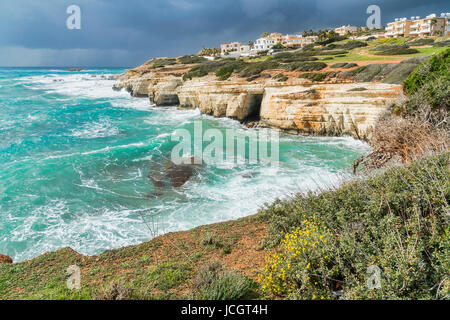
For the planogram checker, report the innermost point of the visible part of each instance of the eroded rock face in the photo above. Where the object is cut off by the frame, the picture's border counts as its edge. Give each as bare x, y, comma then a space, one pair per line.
235, 99
339, 107
328, 109
5, 259
136, 86
163, 92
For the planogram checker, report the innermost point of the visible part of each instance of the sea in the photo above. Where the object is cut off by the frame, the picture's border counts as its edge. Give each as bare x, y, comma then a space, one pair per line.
77, 160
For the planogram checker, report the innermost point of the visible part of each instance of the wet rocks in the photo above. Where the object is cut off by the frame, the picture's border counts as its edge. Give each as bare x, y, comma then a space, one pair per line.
175, 175
5, 259
75, 69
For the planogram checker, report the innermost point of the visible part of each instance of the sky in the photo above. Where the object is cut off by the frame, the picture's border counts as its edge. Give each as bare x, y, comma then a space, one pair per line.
126, 33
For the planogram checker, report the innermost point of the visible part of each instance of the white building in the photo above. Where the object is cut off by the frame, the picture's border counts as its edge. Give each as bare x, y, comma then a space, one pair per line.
342, 31
431, 25
263, 44
298, 40
230, 47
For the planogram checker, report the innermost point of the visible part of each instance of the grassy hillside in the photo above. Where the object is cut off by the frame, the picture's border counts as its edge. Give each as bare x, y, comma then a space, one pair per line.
209, 262
396, 223
318, 246
372, 54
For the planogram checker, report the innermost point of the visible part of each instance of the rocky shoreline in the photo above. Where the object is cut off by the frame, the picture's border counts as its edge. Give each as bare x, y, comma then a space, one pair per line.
333, 107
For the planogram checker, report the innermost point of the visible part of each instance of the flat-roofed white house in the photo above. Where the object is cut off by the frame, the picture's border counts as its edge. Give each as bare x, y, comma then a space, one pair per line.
235, 49
431, 25
401, 27
263, 44
298, 40
230, 47
342, 31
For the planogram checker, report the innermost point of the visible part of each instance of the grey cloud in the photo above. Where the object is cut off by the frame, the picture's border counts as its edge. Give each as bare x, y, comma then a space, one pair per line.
140, 29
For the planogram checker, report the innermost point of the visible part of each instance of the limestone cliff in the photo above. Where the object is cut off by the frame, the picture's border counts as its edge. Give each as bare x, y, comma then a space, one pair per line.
332, 107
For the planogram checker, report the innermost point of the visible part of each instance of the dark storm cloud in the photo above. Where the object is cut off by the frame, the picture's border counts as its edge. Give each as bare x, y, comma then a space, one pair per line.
119, 32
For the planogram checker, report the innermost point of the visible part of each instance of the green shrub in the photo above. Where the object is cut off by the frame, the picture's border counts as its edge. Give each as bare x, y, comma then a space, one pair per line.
305, 66
168, 275
321, 52
158, 63
315, 77
338, 65
223, 68
191, 59
343, 65
437, 66
387, 73
287, 57
213, 283
396, 222
347, 45
209, 238
281, 77
226, 71
400, 73
445, 43
429, 86
331, 40
350, 65
365, 73
398, 50
278, 46
421, 42
389, 46
255, 68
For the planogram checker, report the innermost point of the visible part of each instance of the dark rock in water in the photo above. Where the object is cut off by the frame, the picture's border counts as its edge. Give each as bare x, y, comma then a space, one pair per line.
75, 69
174, 174
157, 181
248, 175
116, 87
179, 175
152, 195
5, 259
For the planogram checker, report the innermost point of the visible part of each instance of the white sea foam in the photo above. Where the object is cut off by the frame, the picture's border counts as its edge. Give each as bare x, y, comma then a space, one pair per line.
100, 129
103, 227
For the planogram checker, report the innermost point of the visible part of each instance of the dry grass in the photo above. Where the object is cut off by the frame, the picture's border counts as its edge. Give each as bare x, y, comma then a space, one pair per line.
400, 139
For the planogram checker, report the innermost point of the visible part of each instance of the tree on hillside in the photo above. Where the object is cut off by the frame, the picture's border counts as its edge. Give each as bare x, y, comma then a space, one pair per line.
265, 35
210, 52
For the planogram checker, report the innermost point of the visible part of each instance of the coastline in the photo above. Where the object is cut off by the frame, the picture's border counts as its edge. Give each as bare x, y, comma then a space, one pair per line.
173, 267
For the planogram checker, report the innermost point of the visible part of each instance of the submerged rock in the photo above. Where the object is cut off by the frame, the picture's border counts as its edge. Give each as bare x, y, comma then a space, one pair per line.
75, 69
174, 174
5, 259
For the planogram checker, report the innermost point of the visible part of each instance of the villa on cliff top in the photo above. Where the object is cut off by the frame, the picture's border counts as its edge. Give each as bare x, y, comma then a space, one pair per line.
431, 25
237, 49
342, 31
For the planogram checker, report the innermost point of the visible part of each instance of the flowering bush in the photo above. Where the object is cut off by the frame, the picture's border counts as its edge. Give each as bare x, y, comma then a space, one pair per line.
383, 237
296, 268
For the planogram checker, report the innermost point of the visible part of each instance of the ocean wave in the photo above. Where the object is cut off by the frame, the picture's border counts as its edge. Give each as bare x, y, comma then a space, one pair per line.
100, 129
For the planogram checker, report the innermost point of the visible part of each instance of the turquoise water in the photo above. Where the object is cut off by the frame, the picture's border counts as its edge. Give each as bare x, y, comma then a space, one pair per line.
75, 158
